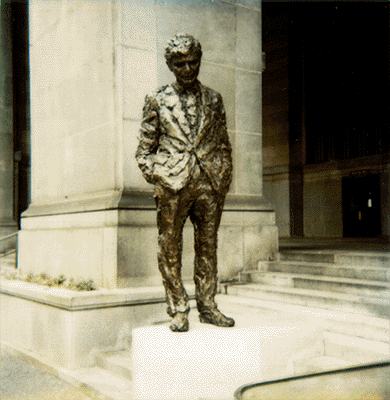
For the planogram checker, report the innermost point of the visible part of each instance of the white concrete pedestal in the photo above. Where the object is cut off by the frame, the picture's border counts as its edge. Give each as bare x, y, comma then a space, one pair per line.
210, 362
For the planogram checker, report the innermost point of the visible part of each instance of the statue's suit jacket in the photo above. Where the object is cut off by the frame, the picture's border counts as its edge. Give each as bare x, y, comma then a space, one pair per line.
168, 150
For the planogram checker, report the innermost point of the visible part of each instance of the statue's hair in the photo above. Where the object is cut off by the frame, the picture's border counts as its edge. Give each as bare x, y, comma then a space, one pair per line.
182, 44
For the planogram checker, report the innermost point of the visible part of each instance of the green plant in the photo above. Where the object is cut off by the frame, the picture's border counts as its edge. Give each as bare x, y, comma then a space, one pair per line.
60, 281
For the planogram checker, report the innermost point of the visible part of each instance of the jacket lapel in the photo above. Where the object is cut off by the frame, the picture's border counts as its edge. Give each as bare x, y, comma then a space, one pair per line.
175, 114
205, 116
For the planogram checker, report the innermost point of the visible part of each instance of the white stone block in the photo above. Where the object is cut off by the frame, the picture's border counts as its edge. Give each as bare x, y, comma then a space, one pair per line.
66, 328
209, 362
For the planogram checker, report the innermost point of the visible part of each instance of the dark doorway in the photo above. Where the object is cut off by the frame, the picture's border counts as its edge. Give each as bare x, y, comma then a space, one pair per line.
361, 206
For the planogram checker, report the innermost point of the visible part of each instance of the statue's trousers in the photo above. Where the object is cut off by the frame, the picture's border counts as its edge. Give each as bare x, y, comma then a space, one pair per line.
203, 205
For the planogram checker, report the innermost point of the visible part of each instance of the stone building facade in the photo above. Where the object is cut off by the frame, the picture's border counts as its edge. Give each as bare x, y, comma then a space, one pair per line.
86, 66
326, 121
90, 212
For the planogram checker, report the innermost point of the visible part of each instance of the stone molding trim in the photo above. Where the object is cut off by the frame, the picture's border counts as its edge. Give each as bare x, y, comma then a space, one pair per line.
108, 200
137, 200
81, 301
375, 163
276, 170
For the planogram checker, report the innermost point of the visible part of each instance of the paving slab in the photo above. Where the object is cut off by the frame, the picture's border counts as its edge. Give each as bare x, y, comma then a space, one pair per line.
19, 379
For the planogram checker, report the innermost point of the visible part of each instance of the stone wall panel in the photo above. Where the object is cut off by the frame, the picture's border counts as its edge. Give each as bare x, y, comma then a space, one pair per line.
249, 39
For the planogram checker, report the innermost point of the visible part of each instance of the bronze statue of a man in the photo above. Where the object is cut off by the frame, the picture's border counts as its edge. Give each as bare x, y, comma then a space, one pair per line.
184, 150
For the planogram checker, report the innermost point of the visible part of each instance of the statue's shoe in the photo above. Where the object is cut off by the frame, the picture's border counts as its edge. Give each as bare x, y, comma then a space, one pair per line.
179, 322
215, 317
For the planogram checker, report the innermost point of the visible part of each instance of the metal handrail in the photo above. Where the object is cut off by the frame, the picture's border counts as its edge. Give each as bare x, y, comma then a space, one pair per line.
9, 236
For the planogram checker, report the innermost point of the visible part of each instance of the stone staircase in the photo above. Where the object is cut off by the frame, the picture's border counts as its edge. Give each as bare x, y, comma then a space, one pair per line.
350, 289
340, 340
338, 280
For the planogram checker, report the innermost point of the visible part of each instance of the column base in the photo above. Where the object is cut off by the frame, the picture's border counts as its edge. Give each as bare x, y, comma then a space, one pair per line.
116, 246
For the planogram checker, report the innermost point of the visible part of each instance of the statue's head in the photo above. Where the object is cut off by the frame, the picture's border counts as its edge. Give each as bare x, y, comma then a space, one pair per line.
183, 55
182, 45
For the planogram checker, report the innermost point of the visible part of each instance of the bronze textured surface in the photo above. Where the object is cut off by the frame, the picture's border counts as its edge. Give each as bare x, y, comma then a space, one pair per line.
184, 150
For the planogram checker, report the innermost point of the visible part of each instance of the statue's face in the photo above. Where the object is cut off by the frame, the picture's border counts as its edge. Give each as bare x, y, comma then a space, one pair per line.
186, 68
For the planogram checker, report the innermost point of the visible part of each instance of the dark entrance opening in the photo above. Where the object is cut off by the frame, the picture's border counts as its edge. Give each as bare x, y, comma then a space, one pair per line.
361, 206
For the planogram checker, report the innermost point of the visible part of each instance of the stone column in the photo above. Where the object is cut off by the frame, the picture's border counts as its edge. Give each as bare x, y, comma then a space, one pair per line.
71, 224
92, 63
7, 223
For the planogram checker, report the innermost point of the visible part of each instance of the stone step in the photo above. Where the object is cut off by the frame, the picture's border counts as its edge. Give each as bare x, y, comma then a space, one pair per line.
365, 305
118, 362
370, 273
9, 255
355, 350
307, 256
8, 243
98, 383
368, 327
304, 281
320, 364
378, 259
376, 329
343, 257
8, 261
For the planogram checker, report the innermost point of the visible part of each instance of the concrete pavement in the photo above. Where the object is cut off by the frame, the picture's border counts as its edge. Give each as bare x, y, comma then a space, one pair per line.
20, 380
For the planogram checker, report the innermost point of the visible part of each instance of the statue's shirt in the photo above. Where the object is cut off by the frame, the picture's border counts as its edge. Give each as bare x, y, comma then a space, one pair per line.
190, 101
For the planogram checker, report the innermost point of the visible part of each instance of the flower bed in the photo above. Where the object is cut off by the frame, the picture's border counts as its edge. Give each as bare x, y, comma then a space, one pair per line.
60, 281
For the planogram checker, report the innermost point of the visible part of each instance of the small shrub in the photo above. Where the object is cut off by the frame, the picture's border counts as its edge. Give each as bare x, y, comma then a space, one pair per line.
60, 281
11, 276
85, 285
